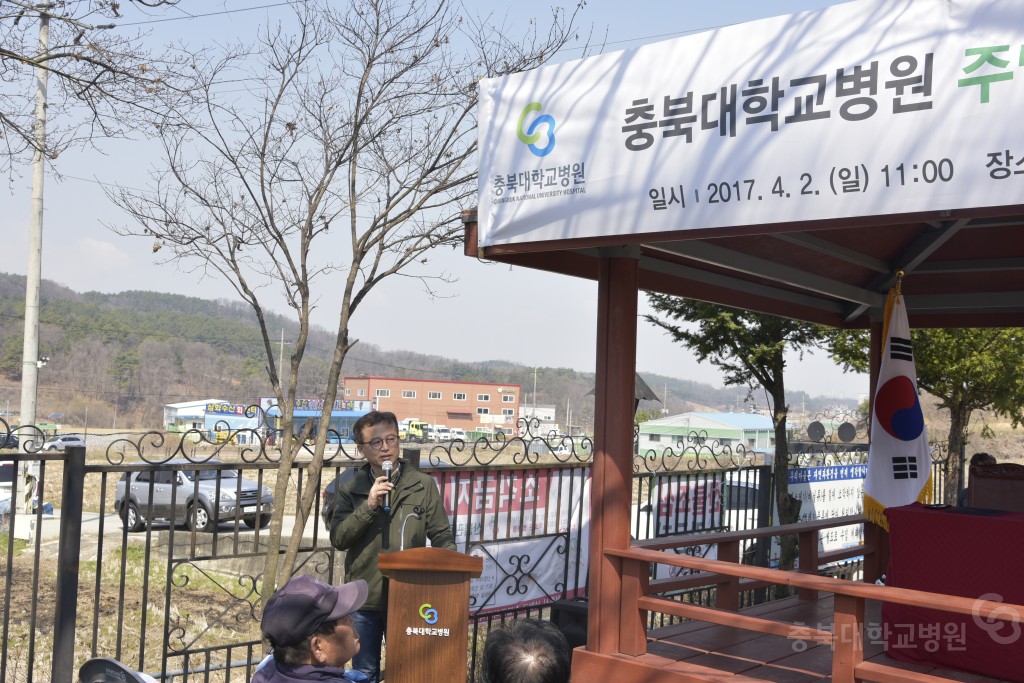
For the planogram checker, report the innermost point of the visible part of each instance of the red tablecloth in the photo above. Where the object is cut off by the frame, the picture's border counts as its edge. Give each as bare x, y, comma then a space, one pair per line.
950, 551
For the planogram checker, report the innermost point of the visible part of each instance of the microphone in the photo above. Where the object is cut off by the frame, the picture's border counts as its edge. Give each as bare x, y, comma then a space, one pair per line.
387, 473
415, 513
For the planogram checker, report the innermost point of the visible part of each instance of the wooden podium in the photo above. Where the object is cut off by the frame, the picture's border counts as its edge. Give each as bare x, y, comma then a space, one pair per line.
428, 614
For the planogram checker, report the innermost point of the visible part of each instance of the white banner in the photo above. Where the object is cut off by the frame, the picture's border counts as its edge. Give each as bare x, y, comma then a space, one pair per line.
828, 492
866, 108
493, 511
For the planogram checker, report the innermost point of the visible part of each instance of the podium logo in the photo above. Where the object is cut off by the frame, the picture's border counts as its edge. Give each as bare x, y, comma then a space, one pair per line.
428, 613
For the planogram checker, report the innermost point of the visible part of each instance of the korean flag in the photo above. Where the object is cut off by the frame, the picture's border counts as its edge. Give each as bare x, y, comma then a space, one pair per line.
899, 463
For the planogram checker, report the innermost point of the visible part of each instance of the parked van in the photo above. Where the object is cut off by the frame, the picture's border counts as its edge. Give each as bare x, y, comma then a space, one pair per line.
458, 433
442, 434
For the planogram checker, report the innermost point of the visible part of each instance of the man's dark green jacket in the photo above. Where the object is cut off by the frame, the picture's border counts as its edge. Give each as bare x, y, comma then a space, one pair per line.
363, 533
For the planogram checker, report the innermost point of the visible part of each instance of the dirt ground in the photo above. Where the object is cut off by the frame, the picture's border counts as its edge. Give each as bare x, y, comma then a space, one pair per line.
1004, 442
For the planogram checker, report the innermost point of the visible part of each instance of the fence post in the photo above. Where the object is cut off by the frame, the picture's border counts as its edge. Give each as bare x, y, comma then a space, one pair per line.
66, 614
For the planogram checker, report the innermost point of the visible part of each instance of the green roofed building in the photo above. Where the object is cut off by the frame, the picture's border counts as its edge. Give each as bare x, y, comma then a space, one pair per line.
752, 431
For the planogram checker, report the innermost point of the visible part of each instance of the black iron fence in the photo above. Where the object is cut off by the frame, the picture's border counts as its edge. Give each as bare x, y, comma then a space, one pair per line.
154, 553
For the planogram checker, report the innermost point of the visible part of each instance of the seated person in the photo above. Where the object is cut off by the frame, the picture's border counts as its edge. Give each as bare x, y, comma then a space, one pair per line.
976, 459
526, 651
310, 627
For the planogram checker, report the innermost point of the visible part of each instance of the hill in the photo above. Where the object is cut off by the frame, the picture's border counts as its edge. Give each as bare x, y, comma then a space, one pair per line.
117, 359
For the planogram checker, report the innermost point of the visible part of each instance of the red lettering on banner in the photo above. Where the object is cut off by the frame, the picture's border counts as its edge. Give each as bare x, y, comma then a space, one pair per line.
493, 492
688, 504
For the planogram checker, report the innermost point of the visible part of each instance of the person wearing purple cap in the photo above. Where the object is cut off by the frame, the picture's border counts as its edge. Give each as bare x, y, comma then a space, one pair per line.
310, 627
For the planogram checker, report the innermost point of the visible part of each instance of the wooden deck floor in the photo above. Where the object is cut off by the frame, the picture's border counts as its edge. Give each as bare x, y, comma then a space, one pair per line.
775, 658
700, 651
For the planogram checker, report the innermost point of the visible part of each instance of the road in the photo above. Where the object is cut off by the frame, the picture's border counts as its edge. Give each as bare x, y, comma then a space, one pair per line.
111, 523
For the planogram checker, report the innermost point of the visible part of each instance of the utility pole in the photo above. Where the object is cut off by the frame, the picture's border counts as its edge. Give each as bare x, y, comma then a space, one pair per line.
534, 392
25, 482
30, 350
281, 361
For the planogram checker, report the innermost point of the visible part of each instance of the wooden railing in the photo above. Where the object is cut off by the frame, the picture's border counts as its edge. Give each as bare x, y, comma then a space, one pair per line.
729, 542
730, 577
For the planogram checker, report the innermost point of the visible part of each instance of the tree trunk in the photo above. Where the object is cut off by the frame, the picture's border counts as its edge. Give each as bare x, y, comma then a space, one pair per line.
788, 506
959, 418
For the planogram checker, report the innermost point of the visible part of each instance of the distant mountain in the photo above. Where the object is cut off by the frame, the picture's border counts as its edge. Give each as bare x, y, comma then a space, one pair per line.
117, 359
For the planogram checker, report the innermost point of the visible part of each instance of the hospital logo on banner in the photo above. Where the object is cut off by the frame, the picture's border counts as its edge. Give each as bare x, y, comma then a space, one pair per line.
531, 136
541, 175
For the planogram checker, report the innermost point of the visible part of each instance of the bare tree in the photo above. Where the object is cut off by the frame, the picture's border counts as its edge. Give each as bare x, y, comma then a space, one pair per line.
97, 74
327, 157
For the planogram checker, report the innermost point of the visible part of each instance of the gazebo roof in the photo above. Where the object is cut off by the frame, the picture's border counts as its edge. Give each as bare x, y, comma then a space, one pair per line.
962, 269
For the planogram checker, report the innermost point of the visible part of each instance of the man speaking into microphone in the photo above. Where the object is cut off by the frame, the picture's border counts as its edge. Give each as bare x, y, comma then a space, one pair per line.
387, 506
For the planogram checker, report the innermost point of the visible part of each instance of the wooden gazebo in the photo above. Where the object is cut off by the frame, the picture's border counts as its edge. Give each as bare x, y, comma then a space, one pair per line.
946, 210
964, 269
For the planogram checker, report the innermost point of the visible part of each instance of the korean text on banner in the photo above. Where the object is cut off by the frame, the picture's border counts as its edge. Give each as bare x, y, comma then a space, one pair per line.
827, 114
899, 462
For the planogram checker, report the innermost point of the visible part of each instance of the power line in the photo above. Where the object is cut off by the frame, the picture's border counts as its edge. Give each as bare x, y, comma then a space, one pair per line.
624, 41
203, 16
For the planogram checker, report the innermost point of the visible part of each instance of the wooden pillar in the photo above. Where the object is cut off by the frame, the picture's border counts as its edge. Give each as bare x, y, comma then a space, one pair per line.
728, 592
808, 553
847, 638
611, 626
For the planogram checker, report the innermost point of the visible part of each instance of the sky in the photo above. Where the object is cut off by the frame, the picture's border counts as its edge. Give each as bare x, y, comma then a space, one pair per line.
492, 311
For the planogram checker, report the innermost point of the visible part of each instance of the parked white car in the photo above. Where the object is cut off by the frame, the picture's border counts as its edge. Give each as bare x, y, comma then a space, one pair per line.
59, 443
442, 434
563, 448
458, 433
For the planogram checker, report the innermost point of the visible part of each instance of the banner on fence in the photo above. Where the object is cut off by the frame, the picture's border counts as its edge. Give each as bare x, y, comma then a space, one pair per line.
685, 505
530, 527
688, 504
828, 492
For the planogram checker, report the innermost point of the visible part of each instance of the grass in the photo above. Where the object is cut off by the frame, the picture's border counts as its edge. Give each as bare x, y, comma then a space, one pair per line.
207, 608
5, 541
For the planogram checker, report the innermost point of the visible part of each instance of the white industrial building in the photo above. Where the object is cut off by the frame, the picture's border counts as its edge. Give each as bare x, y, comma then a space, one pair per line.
752, 431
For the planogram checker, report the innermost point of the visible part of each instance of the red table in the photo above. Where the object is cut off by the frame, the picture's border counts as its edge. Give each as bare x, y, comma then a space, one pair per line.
951, 551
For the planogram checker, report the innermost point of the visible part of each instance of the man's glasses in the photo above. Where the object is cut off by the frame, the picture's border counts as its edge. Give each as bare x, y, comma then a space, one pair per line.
378, 443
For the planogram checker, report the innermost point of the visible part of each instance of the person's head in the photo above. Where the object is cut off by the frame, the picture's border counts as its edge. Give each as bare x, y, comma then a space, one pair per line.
310, 622
377, 436
527, 651
982, 459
